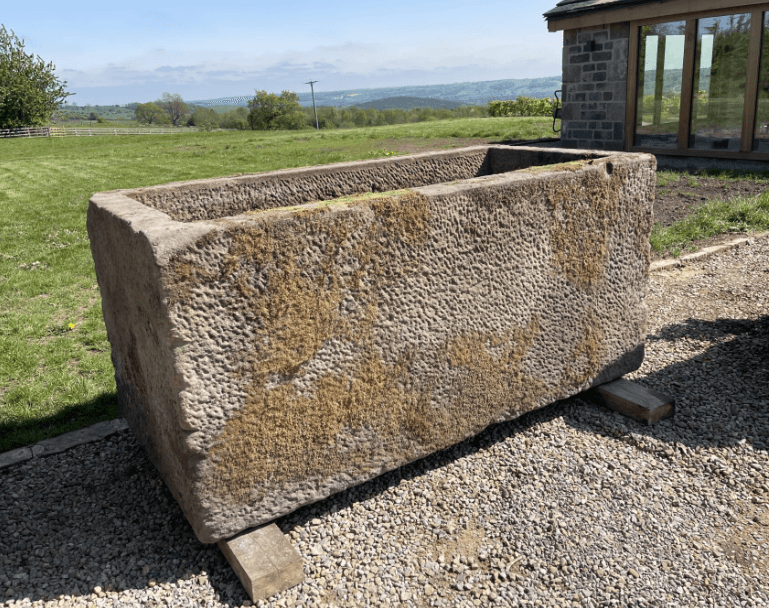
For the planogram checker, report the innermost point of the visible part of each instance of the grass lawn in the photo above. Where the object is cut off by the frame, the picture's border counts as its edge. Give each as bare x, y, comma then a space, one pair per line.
722, 213
743, 214
55, 369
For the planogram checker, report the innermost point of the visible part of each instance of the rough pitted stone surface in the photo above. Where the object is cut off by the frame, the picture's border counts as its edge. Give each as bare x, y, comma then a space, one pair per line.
269, 359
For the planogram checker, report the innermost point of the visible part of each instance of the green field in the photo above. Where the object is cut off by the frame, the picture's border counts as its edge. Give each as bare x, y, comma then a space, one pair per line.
55, 368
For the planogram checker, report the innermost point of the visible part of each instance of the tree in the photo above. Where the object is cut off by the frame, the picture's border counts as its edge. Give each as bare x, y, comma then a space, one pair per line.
149, 113
175, 107
203, 118
268, 111
235, 119
29, 90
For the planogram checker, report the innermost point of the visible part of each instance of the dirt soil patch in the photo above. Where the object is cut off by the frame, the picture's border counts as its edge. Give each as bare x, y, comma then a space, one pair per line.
680, 197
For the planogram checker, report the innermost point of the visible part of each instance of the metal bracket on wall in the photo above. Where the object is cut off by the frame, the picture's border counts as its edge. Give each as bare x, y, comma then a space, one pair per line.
557, 109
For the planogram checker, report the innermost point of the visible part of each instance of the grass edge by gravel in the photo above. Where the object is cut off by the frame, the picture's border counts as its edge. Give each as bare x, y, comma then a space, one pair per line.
742, 215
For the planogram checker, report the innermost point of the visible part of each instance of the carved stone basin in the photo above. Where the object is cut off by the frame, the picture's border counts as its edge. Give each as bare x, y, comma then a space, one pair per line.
282, 336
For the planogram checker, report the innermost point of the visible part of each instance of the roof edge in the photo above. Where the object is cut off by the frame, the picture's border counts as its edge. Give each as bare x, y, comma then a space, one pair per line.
575, 8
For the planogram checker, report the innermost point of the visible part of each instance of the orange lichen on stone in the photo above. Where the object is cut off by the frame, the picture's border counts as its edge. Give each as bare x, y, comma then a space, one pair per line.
495, 375
587, 354
281, 433
583, 212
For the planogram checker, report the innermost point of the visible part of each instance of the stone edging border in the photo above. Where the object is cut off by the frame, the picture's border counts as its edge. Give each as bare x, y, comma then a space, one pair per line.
102, 430
702, 254
54, 445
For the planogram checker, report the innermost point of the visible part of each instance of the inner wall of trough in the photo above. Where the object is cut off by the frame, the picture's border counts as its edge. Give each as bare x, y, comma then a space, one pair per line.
503, 160
219, 198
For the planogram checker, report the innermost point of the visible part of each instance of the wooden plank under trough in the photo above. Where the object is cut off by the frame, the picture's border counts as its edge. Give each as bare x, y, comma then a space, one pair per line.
264, 560
633, 400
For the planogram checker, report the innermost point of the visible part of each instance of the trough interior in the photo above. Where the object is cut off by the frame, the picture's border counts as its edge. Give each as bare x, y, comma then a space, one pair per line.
225, 197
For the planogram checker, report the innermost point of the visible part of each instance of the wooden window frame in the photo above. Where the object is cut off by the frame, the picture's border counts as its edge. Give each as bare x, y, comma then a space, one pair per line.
687, 82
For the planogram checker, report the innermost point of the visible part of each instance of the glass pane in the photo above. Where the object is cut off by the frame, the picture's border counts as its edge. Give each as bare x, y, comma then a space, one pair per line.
660, 66
761, 141
720, 75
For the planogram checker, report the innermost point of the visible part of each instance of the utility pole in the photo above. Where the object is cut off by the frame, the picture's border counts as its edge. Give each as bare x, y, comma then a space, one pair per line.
312, 88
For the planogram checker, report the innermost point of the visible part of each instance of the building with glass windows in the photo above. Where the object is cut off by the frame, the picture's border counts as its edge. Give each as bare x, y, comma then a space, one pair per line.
671, 77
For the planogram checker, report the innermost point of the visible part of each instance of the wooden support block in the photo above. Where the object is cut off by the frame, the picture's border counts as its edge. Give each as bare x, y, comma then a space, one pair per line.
264, 560
633, 400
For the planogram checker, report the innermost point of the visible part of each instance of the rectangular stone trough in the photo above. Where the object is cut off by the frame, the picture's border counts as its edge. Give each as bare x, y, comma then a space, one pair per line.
282, 336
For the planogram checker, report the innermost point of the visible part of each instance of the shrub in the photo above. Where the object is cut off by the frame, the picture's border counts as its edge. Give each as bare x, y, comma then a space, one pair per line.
523, 106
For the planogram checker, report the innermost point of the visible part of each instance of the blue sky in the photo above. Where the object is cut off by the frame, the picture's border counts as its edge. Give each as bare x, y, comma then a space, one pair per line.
118, 52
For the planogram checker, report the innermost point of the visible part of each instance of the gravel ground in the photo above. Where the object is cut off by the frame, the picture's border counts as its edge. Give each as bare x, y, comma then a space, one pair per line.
572, 505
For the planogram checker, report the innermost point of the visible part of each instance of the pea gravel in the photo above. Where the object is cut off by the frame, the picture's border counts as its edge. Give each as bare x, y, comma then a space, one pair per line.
572, 505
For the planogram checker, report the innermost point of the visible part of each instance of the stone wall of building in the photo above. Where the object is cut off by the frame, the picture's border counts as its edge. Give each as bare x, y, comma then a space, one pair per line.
595, 86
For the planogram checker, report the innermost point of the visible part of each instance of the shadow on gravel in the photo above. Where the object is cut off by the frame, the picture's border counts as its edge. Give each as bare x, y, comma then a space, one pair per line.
97, 515
722, 394
100, 514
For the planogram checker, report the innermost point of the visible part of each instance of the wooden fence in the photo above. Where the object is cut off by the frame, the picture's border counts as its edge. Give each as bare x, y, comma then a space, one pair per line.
90, 131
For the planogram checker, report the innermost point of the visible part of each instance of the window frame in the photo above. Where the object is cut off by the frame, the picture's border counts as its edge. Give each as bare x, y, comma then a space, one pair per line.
687, 82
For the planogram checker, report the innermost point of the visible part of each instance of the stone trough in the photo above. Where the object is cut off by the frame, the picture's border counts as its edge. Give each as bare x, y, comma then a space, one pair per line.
282, 336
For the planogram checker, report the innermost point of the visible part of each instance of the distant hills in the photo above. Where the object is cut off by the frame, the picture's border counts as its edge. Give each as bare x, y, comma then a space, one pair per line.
460, 94
671, 82
672, 79
407, 103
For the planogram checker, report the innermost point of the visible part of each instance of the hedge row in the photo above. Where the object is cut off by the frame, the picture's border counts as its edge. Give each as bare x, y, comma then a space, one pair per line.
522, 106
